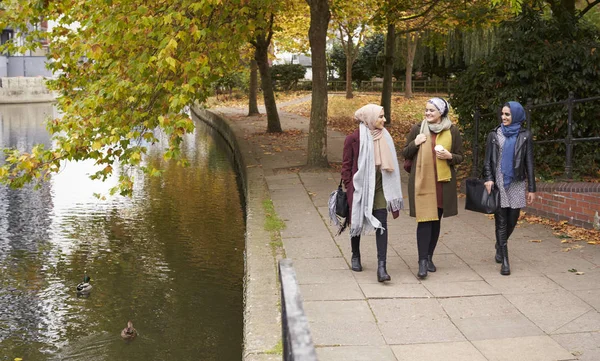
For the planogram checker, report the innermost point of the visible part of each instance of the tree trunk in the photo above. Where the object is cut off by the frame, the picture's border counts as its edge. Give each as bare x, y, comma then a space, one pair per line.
317, 34
349, 63
261, 55
252, 96
411, 47
388, 68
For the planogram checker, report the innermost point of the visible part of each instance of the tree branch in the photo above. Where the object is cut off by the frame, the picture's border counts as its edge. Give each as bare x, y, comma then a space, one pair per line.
587, 8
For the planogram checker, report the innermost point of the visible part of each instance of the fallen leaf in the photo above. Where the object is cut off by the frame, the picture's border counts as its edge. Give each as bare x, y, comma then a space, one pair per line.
572, 270
579, 273
535, 240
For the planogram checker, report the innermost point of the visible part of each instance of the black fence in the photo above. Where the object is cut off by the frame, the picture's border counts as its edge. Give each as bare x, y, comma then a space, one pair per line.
296, 338
568, 140
436, 86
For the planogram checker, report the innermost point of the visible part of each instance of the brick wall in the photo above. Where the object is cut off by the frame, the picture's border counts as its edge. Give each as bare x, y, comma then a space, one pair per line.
576, 202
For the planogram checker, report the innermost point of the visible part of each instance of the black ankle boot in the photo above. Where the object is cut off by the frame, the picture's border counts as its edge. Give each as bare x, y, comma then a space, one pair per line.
356, 266
430, 265
505, 267
382, 274
423, 263
498, 254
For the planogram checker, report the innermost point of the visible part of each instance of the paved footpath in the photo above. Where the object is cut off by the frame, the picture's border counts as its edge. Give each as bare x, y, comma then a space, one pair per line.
465, 311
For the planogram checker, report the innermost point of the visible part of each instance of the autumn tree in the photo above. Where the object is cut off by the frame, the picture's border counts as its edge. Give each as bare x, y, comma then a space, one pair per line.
317, 35
351, 21
253, 89
125, 72
264, 14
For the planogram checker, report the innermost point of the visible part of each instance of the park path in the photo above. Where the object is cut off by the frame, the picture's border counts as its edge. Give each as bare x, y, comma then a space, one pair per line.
466, 311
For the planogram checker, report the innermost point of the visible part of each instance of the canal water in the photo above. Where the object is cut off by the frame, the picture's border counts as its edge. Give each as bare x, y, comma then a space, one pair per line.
170, 259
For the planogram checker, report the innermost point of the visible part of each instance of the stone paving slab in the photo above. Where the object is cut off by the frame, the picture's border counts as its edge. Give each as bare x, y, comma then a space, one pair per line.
588, 322
355, 353
523, 285
336, 291
460, 289
590, 280
443, 351
532, 348
551, 310
298, 248
406, 321
584, 345
343, 323
591, 297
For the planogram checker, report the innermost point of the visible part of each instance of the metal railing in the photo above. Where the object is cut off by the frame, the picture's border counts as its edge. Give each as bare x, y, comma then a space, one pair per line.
296, 338
418, 86
569, 140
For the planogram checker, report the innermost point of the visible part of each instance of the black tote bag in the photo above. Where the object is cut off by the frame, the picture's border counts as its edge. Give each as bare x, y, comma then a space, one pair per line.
478, 199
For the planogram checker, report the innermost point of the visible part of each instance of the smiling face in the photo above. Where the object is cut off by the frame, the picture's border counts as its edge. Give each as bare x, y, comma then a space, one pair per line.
380, 120
432, 114
506, 116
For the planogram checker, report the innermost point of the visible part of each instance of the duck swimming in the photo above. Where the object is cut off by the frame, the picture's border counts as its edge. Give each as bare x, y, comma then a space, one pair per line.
129, 332
84, 287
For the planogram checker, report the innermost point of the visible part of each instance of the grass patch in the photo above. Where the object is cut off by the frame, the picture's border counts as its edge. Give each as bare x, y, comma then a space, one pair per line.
276, 350
239, 99
272, 221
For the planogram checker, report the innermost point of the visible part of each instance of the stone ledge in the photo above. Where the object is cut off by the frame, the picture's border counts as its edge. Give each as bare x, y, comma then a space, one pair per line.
575, 187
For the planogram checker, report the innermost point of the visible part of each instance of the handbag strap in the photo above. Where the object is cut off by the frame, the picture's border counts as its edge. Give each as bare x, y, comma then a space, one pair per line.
340, 185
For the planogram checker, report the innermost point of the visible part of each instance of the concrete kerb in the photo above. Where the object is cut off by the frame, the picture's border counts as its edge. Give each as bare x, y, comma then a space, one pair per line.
262, 317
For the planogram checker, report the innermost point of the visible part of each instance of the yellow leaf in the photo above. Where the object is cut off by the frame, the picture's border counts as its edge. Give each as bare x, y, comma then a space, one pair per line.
535, 240
96, 145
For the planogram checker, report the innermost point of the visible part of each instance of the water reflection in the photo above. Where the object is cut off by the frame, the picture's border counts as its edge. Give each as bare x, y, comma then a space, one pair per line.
170, 258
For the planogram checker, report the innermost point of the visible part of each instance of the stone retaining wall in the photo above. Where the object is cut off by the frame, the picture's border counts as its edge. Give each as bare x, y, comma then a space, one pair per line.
15, 90
576, 202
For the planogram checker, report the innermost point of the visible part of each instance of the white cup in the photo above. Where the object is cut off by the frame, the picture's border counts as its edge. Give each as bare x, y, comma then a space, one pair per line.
438, 148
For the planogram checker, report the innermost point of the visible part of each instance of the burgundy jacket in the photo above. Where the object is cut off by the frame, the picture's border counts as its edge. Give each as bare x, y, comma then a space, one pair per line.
350, 166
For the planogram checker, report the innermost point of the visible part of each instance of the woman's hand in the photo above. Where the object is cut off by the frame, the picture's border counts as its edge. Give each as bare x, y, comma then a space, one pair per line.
488, 185
443, 154
530, 198
420, 139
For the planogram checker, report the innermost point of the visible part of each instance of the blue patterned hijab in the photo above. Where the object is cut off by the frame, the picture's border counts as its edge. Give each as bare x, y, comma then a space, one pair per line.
510, 133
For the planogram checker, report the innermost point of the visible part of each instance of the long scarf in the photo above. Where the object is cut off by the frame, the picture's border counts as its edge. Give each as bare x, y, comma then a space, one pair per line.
510, 133
363, 220
425, 190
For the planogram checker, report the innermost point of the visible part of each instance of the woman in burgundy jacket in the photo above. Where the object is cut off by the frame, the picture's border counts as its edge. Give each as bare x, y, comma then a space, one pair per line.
371, 175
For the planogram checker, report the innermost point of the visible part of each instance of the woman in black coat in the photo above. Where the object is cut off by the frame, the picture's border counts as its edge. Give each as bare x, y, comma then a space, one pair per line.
509, 165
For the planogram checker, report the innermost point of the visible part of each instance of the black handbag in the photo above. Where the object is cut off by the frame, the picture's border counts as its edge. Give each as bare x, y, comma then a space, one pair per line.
478, 198
339, 208
341, 202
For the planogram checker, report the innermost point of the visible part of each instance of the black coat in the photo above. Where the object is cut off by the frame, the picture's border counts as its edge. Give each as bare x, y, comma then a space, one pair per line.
522, 161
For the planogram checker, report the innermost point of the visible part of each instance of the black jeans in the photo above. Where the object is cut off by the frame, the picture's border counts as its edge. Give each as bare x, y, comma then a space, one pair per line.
427, 236
381, 237
506, 220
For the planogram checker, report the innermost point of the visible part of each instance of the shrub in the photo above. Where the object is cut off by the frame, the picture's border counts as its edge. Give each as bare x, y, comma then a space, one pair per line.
287, 75
540, 60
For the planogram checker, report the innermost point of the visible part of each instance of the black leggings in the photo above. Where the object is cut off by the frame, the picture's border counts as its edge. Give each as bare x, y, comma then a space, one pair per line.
427, 236
506, 221
381, 237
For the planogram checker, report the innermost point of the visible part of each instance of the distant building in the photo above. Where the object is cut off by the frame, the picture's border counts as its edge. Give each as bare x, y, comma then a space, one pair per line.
30, 64
289, 58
